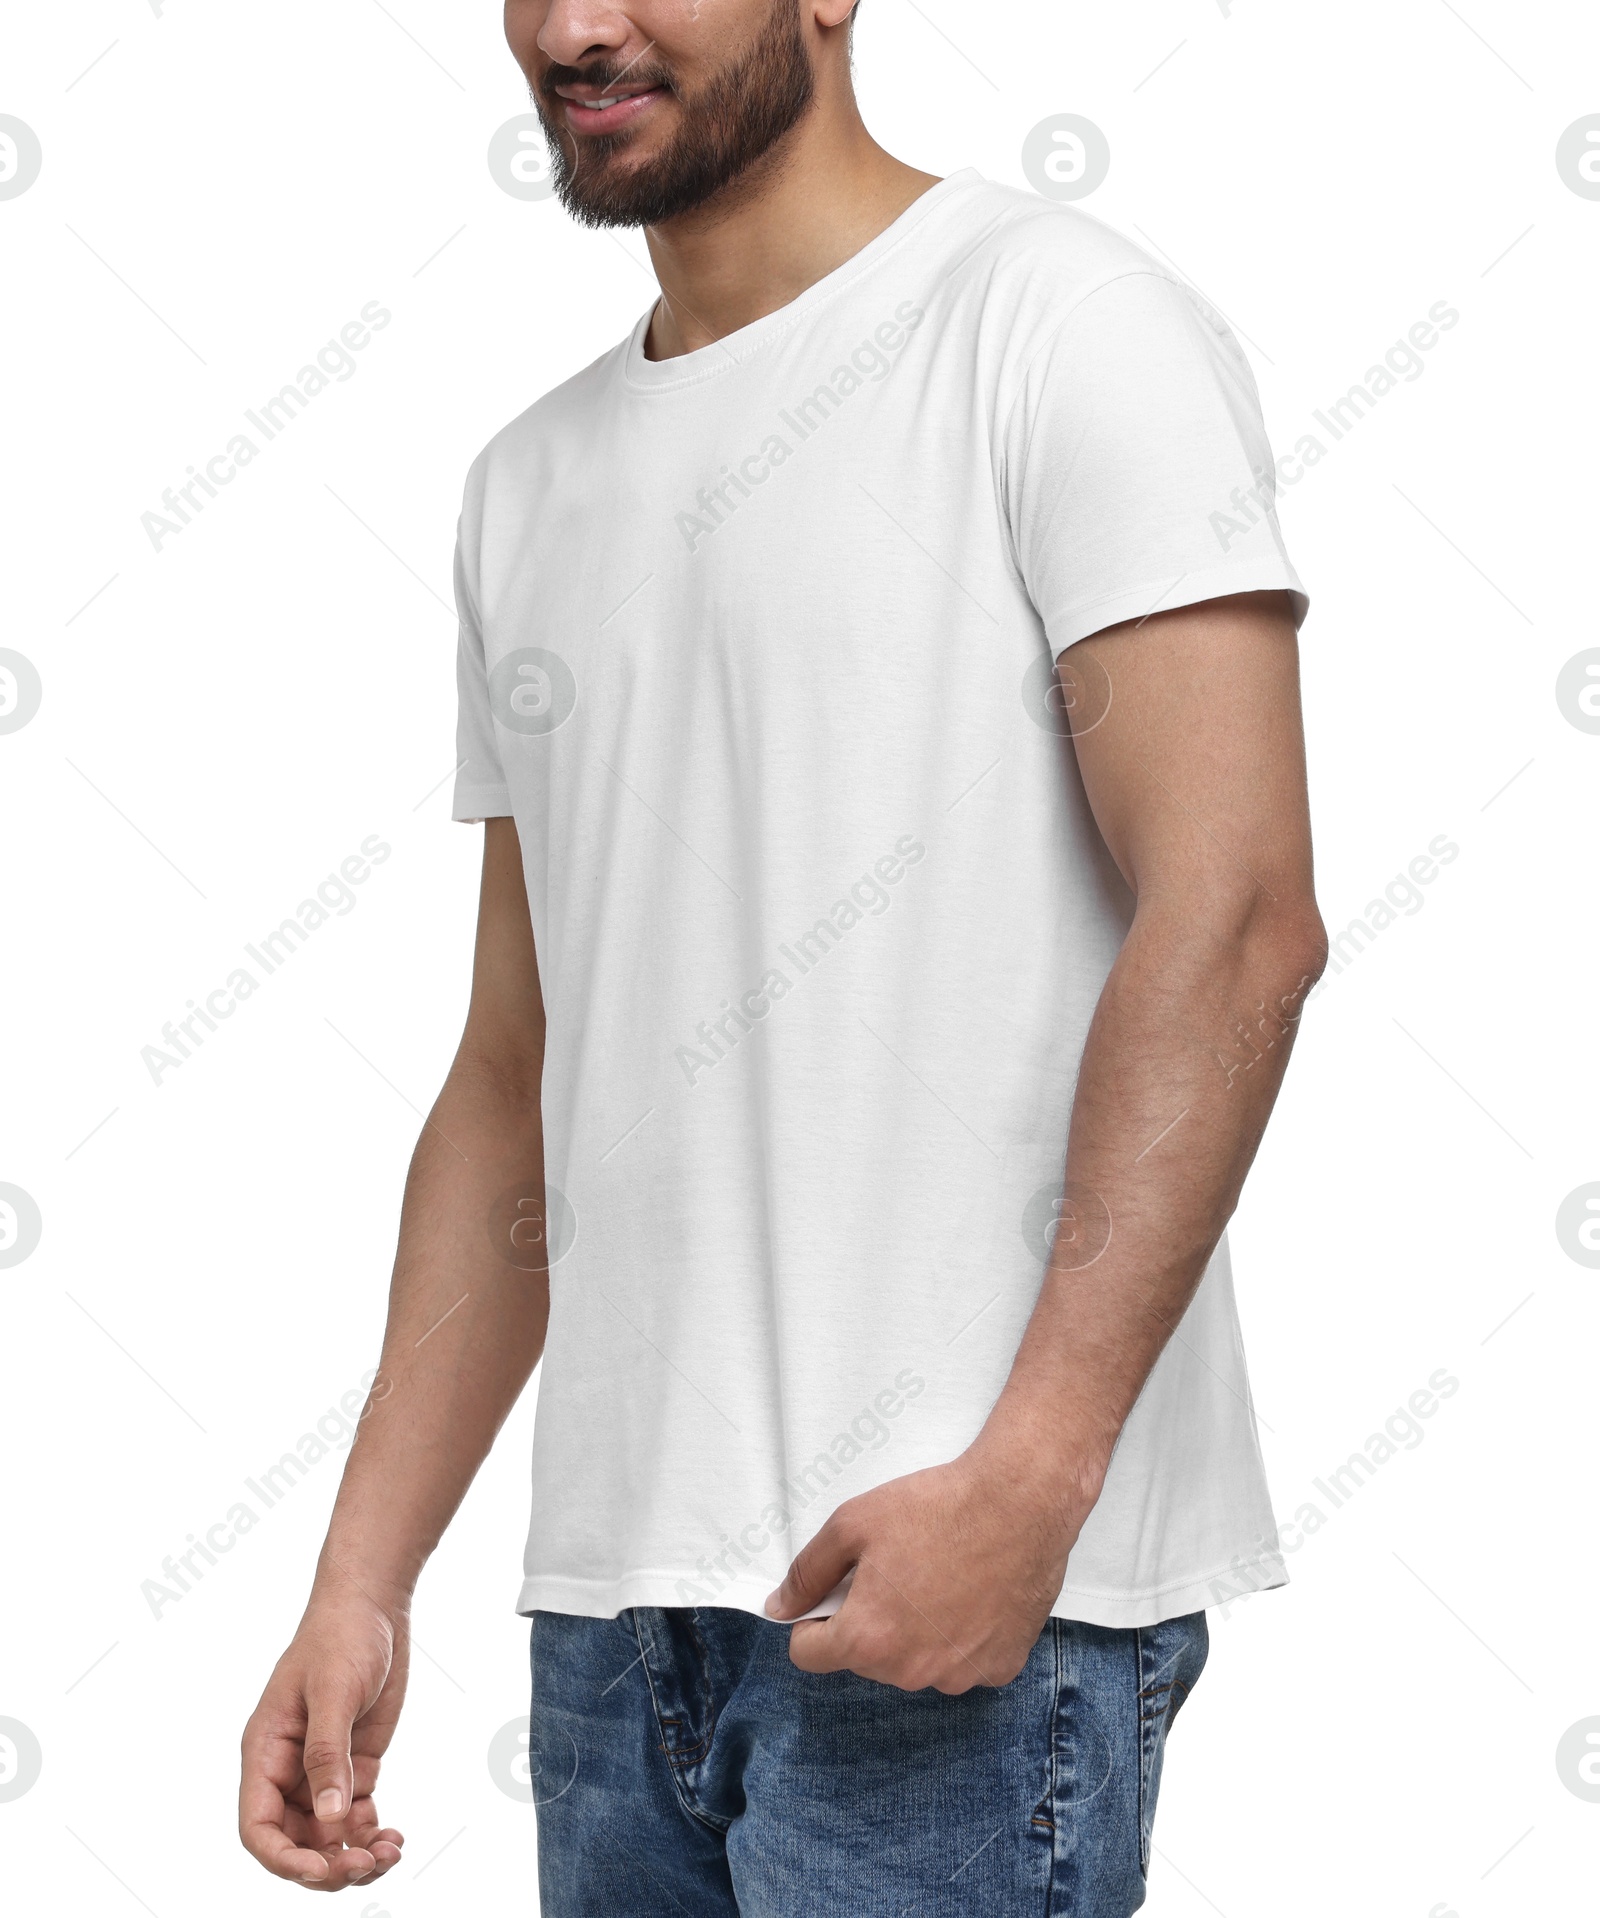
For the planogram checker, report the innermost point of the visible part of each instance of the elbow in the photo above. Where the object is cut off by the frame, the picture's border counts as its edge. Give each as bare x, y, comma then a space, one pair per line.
1285, 948
1293, 942
1275, 941
1274, 965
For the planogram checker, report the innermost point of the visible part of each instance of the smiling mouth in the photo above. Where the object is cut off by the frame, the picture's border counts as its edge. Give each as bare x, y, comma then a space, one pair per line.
591, 111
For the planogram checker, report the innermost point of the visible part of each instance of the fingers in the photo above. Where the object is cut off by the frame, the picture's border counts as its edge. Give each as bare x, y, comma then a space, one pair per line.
286, 1775
857, 1638
292, 1845
279, 1835
365, 1766
381, 1843
303, 1866
269, 1761
817, 1568
881, 1634
885, 1646
332, 1706
869, 1635
823, 1644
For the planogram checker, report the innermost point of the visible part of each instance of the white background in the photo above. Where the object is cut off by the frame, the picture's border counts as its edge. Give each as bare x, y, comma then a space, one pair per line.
225, 720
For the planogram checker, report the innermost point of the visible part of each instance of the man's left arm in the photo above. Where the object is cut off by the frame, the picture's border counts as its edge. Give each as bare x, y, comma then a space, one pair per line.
1188, 736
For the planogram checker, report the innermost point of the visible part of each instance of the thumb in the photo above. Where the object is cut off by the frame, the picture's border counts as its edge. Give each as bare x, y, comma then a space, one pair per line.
817, 1569
332, 1705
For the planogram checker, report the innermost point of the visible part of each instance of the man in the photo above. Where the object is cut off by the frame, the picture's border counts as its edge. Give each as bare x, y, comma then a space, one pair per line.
896, 913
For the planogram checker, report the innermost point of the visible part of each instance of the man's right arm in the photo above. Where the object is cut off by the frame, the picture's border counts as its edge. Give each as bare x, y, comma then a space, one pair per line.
465, 1330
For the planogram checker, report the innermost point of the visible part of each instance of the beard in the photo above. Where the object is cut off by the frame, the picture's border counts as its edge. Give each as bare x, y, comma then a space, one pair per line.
735, 121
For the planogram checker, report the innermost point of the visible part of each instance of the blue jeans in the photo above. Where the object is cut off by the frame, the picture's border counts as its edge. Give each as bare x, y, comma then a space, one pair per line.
682, 1765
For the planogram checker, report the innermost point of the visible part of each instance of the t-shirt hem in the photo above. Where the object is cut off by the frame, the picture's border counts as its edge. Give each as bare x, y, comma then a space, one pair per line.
605, 1598
1118, 1610
1245, 576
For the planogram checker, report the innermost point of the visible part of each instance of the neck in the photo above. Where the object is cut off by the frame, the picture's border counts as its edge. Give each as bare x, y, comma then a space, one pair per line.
816, 199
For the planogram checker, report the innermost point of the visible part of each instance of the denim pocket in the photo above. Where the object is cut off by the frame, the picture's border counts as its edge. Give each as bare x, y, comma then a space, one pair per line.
1172, 1656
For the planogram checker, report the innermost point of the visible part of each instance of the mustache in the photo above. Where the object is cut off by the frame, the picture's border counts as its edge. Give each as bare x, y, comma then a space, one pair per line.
606, 73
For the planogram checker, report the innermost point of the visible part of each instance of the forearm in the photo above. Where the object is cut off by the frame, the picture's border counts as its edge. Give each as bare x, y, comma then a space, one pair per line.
465, 1330
1180, 1071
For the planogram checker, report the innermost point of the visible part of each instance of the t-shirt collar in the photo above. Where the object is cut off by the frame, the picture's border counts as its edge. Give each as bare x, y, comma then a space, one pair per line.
706, 362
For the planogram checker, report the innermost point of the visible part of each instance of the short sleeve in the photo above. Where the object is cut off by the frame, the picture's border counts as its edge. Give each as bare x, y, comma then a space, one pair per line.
1137, 473
480, 789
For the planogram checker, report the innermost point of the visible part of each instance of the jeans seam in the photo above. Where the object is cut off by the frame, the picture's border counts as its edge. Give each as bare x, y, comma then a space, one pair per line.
1058, 1650
1154, 1726
719, 1828
1147, 1737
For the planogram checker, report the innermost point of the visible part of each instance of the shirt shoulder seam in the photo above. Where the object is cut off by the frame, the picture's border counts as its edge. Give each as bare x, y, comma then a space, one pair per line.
1111, 279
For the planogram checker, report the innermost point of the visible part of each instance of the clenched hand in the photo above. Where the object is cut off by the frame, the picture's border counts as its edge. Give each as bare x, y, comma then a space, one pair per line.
956, 1569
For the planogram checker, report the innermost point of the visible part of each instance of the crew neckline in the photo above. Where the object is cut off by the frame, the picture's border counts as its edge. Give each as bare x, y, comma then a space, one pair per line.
733, 349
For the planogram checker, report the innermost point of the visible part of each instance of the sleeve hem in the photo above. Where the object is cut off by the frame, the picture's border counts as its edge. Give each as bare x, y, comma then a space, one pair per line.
1073, 623
473, 804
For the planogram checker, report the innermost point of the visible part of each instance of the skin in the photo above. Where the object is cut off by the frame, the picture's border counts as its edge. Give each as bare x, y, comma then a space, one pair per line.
1187, 733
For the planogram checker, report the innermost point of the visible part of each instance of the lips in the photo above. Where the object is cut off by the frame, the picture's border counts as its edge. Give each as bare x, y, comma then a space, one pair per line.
591, 110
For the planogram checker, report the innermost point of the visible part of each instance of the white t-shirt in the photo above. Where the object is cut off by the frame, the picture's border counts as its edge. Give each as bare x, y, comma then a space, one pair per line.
755, 648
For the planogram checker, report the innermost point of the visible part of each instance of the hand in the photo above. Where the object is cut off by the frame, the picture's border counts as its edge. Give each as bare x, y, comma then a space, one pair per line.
956, 1569
312, 1746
